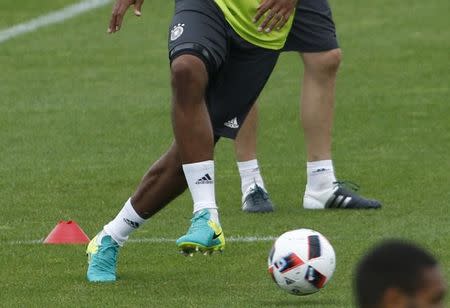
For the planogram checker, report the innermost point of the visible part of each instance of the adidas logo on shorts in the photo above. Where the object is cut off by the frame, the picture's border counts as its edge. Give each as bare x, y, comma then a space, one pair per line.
233, 123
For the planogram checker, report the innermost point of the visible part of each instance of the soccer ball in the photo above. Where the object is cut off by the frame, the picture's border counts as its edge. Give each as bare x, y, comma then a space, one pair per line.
302, 261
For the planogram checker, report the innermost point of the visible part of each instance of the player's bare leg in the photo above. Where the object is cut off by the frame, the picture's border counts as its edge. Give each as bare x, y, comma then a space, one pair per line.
181, 166
246, 140
317, 102
162, 183
195, 141
190, 119
254, 195
317, 111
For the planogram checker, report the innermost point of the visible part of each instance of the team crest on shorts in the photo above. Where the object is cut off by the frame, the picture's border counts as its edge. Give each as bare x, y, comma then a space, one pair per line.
176, 31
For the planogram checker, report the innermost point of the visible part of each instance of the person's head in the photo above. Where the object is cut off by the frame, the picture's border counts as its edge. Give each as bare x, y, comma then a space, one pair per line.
399, 274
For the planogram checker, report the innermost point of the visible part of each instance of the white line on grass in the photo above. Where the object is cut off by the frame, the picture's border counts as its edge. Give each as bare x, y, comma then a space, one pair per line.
236, 239
51, 18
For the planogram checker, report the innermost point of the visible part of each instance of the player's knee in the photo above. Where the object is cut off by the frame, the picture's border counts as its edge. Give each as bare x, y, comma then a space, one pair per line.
187, 70
331, 60
324, 63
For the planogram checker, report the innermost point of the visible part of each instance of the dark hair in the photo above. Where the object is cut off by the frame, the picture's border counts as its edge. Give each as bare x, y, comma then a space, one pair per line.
392, 263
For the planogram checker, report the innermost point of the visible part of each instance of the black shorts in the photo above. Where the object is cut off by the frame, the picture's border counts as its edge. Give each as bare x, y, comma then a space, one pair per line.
237, 69
313, 29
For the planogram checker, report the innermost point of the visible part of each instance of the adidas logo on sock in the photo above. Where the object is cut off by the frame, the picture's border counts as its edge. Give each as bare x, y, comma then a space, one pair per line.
206, 179
320, 170
233, 123
131, 223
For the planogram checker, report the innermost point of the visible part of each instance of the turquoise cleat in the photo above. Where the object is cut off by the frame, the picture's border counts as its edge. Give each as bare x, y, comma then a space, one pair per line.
102, 259
204, 235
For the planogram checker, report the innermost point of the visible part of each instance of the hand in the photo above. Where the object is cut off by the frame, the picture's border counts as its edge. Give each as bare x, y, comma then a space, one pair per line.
119, 11
279, 12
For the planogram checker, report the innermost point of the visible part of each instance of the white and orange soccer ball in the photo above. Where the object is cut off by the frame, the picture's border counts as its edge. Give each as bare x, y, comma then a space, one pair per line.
302, 261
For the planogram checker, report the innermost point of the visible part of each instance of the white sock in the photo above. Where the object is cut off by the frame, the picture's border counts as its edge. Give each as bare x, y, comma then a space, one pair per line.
200, 180
250, 174
125, 222
320, 175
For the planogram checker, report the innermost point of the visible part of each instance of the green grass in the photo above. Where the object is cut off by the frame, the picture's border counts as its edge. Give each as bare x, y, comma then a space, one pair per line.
83, 114
12, 12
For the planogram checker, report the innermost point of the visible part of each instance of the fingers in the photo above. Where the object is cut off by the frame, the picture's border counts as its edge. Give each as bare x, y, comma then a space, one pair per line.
270, 15
119, 20
277, 14
276, 19
112, 21
115, 23
283, 21
262, 9
116, 17
138, 7
119, 11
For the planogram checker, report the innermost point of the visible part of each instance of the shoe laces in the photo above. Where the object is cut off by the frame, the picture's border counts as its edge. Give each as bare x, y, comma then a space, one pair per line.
109, 253
256, 193
111, 245
347, 184
194, 225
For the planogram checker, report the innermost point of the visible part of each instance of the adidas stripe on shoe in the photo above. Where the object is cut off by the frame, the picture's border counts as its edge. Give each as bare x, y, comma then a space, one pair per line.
341, 196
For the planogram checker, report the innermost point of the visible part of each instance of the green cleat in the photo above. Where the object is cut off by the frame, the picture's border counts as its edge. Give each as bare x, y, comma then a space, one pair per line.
203, 236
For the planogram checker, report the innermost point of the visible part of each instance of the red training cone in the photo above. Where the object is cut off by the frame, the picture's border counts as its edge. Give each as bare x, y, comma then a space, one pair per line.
67, 232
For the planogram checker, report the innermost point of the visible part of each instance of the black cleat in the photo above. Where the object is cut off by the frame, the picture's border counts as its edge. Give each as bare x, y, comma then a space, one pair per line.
342, 196
257, 200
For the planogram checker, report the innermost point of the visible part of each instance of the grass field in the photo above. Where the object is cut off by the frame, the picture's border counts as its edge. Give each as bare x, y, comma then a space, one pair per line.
83, 114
